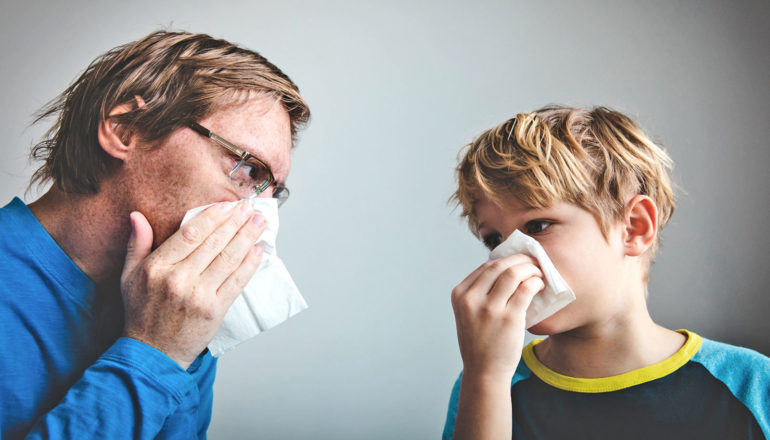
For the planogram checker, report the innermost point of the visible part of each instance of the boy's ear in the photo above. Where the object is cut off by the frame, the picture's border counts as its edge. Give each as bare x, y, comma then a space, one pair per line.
113, 136
640, 225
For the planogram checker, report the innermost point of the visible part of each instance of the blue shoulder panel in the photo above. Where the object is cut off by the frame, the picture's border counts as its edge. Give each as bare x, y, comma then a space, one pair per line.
451, 415
745, 372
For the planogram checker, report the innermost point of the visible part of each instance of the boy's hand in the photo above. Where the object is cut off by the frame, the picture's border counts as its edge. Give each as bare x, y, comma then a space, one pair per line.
490, 306
176, 297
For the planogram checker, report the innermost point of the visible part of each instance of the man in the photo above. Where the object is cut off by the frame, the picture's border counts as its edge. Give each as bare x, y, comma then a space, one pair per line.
106, 304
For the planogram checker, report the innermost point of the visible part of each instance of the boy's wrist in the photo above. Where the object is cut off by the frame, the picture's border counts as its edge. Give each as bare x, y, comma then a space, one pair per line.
486, 378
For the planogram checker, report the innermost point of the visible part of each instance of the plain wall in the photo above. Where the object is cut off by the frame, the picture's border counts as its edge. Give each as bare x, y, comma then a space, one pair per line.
396, 88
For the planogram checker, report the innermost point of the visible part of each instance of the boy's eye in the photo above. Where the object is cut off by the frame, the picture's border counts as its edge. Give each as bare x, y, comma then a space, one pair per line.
536, 226
491, 241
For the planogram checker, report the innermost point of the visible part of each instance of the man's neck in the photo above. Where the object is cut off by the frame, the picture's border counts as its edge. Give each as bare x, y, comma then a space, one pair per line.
91, 229
611, 347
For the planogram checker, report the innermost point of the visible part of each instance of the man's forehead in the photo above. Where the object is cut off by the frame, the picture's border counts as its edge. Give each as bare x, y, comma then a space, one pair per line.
259, 125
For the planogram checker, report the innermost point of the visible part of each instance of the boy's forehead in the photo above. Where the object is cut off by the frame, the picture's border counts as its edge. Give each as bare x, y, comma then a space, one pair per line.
510, 204
488, 211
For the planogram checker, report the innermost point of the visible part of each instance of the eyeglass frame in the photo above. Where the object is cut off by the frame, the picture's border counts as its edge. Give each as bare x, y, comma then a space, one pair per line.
244, 156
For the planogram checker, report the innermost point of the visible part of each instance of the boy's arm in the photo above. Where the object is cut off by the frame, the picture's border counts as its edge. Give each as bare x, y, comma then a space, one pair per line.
490, 307
484, 409
128, 392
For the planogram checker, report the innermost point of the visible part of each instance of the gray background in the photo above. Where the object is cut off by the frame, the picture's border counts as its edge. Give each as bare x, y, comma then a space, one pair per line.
396, 89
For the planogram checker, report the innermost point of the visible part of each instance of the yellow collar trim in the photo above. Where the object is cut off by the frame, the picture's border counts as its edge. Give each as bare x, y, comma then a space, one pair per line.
613, 383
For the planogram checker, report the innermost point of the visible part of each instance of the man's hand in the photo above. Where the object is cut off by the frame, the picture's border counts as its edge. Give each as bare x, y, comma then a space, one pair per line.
490, 308
176, 297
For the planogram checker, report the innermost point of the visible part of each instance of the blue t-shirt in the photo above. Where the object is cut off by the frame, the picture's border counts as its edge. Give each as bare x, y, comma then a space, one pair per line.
64, 373
707, 390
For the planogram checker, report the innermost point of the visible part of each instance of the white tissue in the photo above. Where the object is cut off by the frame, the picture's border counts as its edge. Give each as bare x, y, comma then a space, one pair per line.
556, 294
269, 298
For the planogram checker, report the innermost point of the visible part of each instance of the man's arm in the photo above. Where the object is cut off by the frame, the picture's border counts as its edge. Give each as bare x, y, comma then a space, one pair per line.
129, 392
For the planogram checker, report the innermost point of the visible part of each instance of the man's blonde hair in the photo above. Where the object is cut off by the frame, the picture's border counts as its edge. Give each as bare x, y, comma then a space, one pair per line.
181, 77
593, 158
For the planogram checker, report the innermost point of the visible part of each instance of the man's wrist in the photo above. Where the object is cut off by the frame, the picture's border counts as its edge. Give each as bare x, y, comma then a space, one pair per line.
137, 356
183, 361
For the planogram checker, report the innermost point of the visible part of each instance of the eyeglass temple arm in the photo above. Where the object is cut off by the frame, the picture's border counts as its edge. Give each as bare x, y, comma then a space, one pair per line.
210, 134
200, 129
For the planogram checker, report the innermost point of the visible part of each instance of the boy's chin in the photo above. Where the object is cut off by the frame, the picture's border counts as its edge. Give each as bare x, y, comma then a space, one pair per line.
562, 321
549, 326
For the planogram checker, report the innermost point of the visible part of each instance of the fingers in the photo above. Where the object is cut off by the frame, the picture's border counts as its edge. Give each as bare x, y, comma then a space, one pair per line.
496, 267
218, 239
521, 299
236, 282
139, 243
486, 279
234, 253
193, 233
466, 283
510, 281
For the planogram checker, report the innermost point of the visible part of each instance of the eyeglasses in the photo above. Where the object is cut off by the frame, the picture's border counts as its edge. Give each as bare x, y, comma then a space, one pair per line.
250, 176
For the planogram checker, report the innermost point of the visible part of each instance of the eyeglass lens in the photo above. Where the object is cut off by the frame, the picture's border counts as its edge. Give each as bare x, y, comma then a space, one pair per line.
250, 175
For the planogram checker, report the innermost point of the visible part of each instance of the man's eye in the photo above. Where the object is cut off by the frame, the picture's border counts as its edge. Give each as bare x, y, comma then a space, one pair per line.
491, 241
257, 172
536, 226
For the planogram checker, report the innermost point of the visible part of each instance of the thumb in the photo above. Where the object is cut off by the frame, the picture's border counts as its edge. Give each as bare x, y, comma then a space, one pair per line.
139, 243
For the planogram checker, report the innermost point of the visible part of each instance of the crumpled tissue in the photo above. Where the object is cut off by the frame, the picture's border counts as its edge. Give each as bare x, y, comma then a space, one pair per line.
269, 298
556, 294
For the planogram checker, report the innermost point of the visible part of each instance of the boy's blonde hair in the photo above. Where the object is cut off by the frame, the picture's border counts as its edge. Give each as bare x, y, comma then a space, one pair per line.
593, 158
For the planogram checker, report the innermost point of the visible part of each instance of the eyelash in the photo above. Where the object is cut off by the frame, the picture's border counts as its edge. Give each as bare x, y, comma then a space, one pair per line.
493, 240
534, 222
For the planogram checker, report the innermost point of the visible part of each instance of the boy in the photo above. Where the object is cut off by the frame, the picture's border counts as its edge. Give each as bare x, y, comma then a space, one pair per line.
595, 192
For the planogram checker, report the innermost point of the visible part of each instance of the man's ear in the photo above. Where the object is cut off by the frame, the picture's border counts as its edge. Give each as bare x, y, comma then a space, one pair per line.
113, 136
640, 225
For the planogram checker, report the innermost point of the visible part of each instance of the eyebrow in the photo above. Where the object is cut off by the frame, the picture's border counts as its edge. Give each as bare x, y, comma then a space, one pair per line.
249, 148
522, 211
526, 209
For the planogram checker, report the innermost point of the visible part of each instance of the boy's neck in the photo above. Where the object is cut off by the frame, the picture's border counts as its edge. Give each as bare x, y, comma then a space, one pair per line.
609, 348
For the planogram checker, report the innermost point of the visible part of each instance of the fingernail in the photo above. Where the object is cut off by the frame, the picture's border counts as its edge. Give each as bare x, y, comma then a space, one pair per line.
258, 220
245, 208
